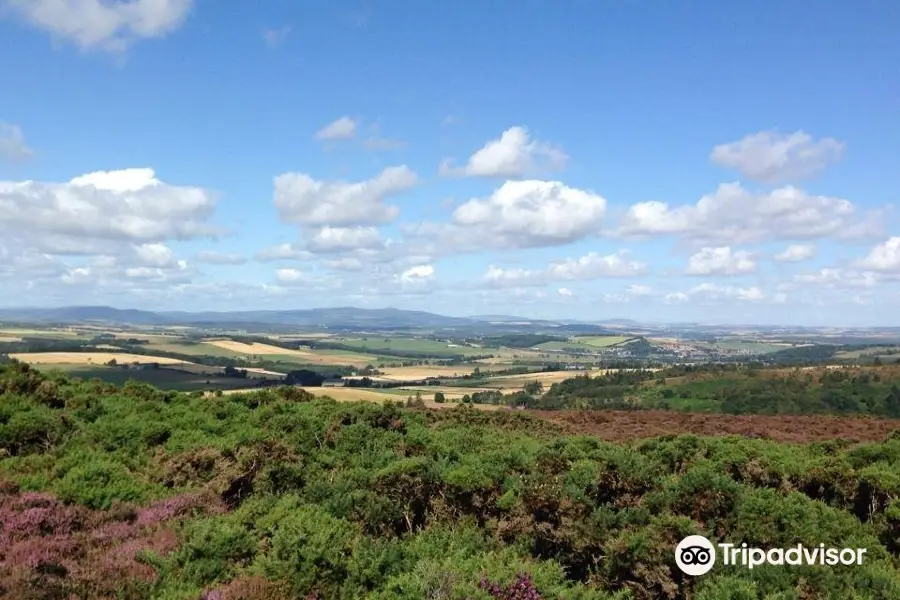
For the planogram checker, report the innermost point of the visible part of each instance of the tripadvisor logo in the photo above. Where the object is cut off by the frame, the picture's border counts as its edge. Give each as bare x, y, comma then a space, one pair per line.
696, 555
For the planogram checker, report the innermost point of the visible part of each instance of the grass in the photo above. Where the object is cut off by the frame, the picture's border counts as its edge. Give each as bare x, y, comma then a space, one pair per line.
166, 379
425, 346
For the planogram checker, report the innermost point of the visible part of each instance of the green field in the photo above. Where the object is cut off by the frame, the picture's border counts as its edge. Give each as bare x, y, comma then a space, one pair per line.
386, 344
585, 343
167, 379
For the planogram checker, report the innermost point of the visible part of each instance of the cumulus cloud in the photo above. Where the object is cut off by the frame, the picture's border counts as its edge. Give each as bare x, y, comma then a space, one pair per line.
109, 24
417, 273
796, 253
884, 257
720, 261
589, 266
773, 157
154, 255
13, 147
290, 276
342, 239
300, 199
834, 278
128, 205
564, 292
343, 128
213, 257
514, 154
733, 214
526, 214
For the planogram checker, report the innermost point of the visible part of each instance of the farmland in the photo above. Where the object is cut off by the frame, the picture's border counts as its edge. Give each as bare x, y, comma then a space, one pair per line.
585, 343
53, 358
329, 357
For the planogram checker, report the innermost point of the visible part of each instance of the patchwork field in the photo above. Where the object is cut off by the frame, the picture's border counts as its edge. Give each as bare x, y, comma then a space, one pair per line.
9, 338
82, 358
329, 357
163, 378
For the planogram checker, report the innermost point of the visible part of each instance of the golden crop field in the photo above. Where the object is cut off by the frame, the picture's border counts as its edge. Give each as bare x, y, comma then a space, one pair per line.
425, 371
9, 338
303, 356
86, 358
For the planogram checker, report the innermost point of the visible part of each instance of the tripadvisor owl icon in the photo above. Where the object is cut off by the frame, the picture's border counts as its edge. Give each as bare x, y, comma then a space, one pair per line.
695, 555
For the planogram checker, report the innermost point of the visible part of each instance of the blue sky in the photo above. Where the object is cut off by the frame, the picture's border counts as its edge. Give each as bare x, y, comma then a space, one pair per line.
684, 161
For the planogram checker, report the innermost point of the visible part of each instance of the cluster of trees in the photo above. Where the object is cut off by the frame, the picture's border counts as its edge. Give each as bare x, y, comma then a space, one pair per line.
130, 492
726, 388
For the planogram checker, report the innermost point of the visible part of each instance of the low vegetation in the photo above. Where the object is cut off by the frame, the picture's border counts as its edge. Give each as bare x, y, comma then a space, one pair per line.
133, 492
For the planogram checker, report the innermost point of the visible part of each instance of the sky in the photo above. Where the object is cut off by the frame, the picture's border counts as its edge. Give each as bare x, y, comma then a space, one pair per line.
682, 161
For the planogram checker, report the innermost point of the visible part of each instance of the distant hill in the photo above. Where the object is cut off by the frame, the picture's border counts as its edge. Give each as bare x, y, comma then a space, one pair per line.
317, 317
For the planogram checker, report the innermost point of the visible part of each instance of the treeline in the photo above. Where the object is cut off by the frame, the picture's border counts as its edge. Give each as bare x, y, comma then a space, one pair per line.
727, 388
134, 493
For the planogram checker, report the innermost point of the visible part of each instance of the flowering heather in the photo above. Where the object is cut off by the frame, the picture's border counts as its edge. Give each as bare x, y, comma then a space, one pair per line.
176, 506
47, 545
522, 588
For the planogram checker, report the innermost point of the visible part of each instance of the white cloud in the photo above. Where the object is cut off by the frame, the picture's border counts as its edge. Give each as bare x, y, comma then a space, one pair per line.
720, 261
565, 292
796, 253
773, 157
735, 215
129, 205
523, 214
417, 273
589, 266
12, 143
343, 128
154, 255
513, 155
213, 257
836, 279
303, 200
109, 24
290, 276
342, 239
884, 257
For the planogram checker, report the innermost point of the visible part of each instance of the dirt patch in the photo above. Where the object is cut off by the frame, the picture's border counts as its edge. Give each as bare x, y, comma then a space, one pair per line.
614, 425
